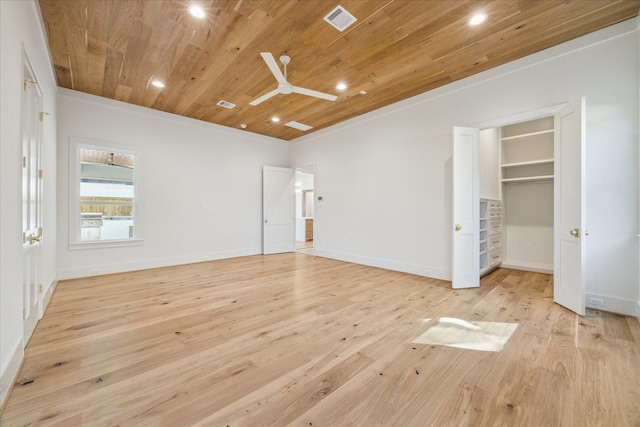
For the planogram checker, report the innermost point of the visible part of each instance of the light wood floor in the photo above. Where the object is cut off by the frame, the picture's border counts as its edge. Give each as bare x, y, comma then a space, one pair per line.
299, 340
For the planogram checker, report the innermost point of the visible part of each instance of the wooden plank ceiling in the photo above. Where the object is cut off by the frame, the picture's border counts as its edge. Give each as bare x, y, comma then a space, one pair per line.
396, 49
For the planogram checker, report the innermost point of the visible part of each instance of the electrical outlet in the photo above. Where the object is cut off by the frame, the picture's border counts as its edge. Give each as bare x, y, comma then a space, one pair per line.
596, 301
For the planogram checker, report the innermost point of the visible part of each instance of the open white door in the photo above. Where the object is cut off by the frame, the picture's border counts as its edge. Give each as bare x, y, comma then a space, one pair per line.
466, 208
569, 231
278, 210
31, 200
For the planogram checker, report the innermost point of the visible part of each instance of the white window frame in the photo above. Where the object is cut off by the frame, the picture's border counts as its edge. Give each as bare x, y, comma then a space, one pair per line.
75, 145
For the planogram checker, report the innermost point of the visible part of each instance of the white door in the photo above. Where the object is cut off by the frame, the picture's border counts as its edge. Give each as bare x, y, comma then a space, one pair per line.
31, 200
278, 210
466, 208
569, 231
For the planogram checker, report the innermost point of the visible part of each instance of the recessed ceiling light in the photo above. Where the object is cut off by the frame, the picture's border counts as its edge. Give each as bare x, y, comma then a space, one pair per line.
243, 125
363, 92
275, 119
197, 12
341, 86
477, 19
157, 83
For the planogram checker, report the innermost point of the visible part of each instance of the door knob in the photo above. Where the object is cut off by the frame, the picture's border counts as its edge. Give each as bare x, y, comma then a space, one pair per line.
33, 239
575, 232
458, 227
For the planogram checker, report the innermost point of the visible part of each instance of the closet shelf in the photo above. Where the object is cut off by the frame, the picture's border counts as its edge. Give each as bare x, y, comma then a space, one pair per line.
525, 135
541, 178
529, 163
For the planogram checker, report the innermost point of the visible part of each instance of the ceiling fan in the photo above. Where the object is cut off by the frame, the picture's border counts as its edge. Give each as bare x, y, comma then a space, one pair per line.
284, 87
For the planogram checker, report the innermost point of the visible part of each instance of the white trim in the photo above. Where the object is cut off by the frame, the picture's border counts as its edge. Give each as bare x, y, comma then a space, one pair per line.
48, 293
121, 267
528, 266
11, 370
75, 145
418, 270
163, 115
567, 48
616, 305
99, 244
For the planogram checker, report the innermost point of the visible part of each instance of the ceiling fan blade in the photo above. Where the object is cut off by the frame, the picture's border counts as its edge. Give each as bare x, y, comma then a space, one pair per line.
264, 97
273, 66
315, 93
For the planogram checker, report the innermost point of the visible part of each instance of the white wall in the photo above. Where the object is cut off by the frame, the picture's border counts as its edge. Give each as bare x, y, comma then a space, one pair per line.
20, 28
528, 226
386, 176
200, 185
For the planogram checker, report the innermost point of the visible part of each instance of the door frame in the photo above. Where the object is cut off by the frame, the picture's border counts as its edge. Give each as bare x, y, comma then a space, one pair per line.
309, 166
549, 111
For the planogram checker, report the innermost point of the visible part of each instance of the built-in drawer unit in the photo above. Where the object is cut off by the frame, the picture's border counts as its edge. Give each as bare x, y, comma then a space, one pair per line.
490, 235
495, 242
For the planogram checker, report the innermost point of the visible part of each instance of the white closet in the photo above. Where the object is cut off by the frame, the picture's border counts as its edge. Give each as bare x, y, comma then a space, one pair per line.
516, 191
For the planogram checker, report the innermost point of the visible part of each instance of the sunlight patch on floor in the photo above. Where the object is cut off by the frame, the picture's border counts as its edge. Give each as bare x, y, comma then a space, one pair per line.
483, 336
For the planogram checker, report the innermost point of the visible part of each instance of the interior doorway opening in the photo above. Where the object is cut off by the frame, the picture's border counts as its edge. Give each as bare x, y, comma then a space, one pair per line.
305, 208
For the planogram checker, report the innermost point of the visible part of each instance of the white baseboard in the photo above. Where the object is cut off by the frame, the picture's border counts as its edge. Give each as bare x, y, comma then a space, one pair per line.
94, 270
418, 270
528, 266
622, 306
10, 372
46, 298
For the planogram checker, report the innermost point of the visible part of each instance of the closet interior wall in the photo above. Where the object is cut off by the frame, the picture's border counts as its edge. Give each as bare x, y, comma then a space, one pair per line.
517, 168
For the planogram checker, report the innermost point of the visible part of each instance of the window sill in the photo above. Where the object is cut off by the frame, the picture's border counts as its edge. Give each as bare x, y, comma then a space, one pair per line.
99, 244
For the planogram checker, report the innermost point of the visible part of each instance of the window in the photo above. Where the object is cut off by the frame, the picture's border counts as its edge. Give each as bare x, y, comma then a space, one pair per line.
103, 197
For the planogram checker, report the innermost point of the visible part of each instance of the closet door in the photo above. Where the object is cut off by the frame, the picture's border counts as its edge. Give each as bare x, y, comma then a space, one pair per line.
569, 232
465, 270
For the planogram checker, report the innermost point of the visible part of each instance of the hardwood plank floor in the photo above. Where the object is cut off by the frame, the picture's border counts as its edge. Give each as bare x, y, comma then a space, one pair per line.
299, 340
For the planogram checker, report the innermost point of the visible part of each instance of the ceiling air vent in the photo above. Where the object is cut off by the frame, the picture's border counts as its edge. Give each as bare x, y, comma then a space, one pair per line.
299, 126
340, 18
225, 104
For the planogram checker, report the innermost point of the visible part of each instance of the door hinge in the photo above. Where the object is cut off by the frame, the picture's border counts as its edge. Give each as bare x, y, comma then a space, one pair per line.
26, 84
24, 161
24, 314
40, 173
40, 288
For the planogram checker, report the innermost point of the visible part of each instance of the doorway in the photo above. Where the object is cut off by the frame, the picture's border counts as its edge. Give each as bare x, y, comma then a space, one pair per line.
305, 208
554, 153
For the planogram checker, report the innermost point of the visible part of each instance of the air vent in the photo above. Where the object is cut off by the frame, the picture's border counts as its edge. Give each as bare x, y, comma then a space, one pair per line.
340, 18
225, 104
299, 126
